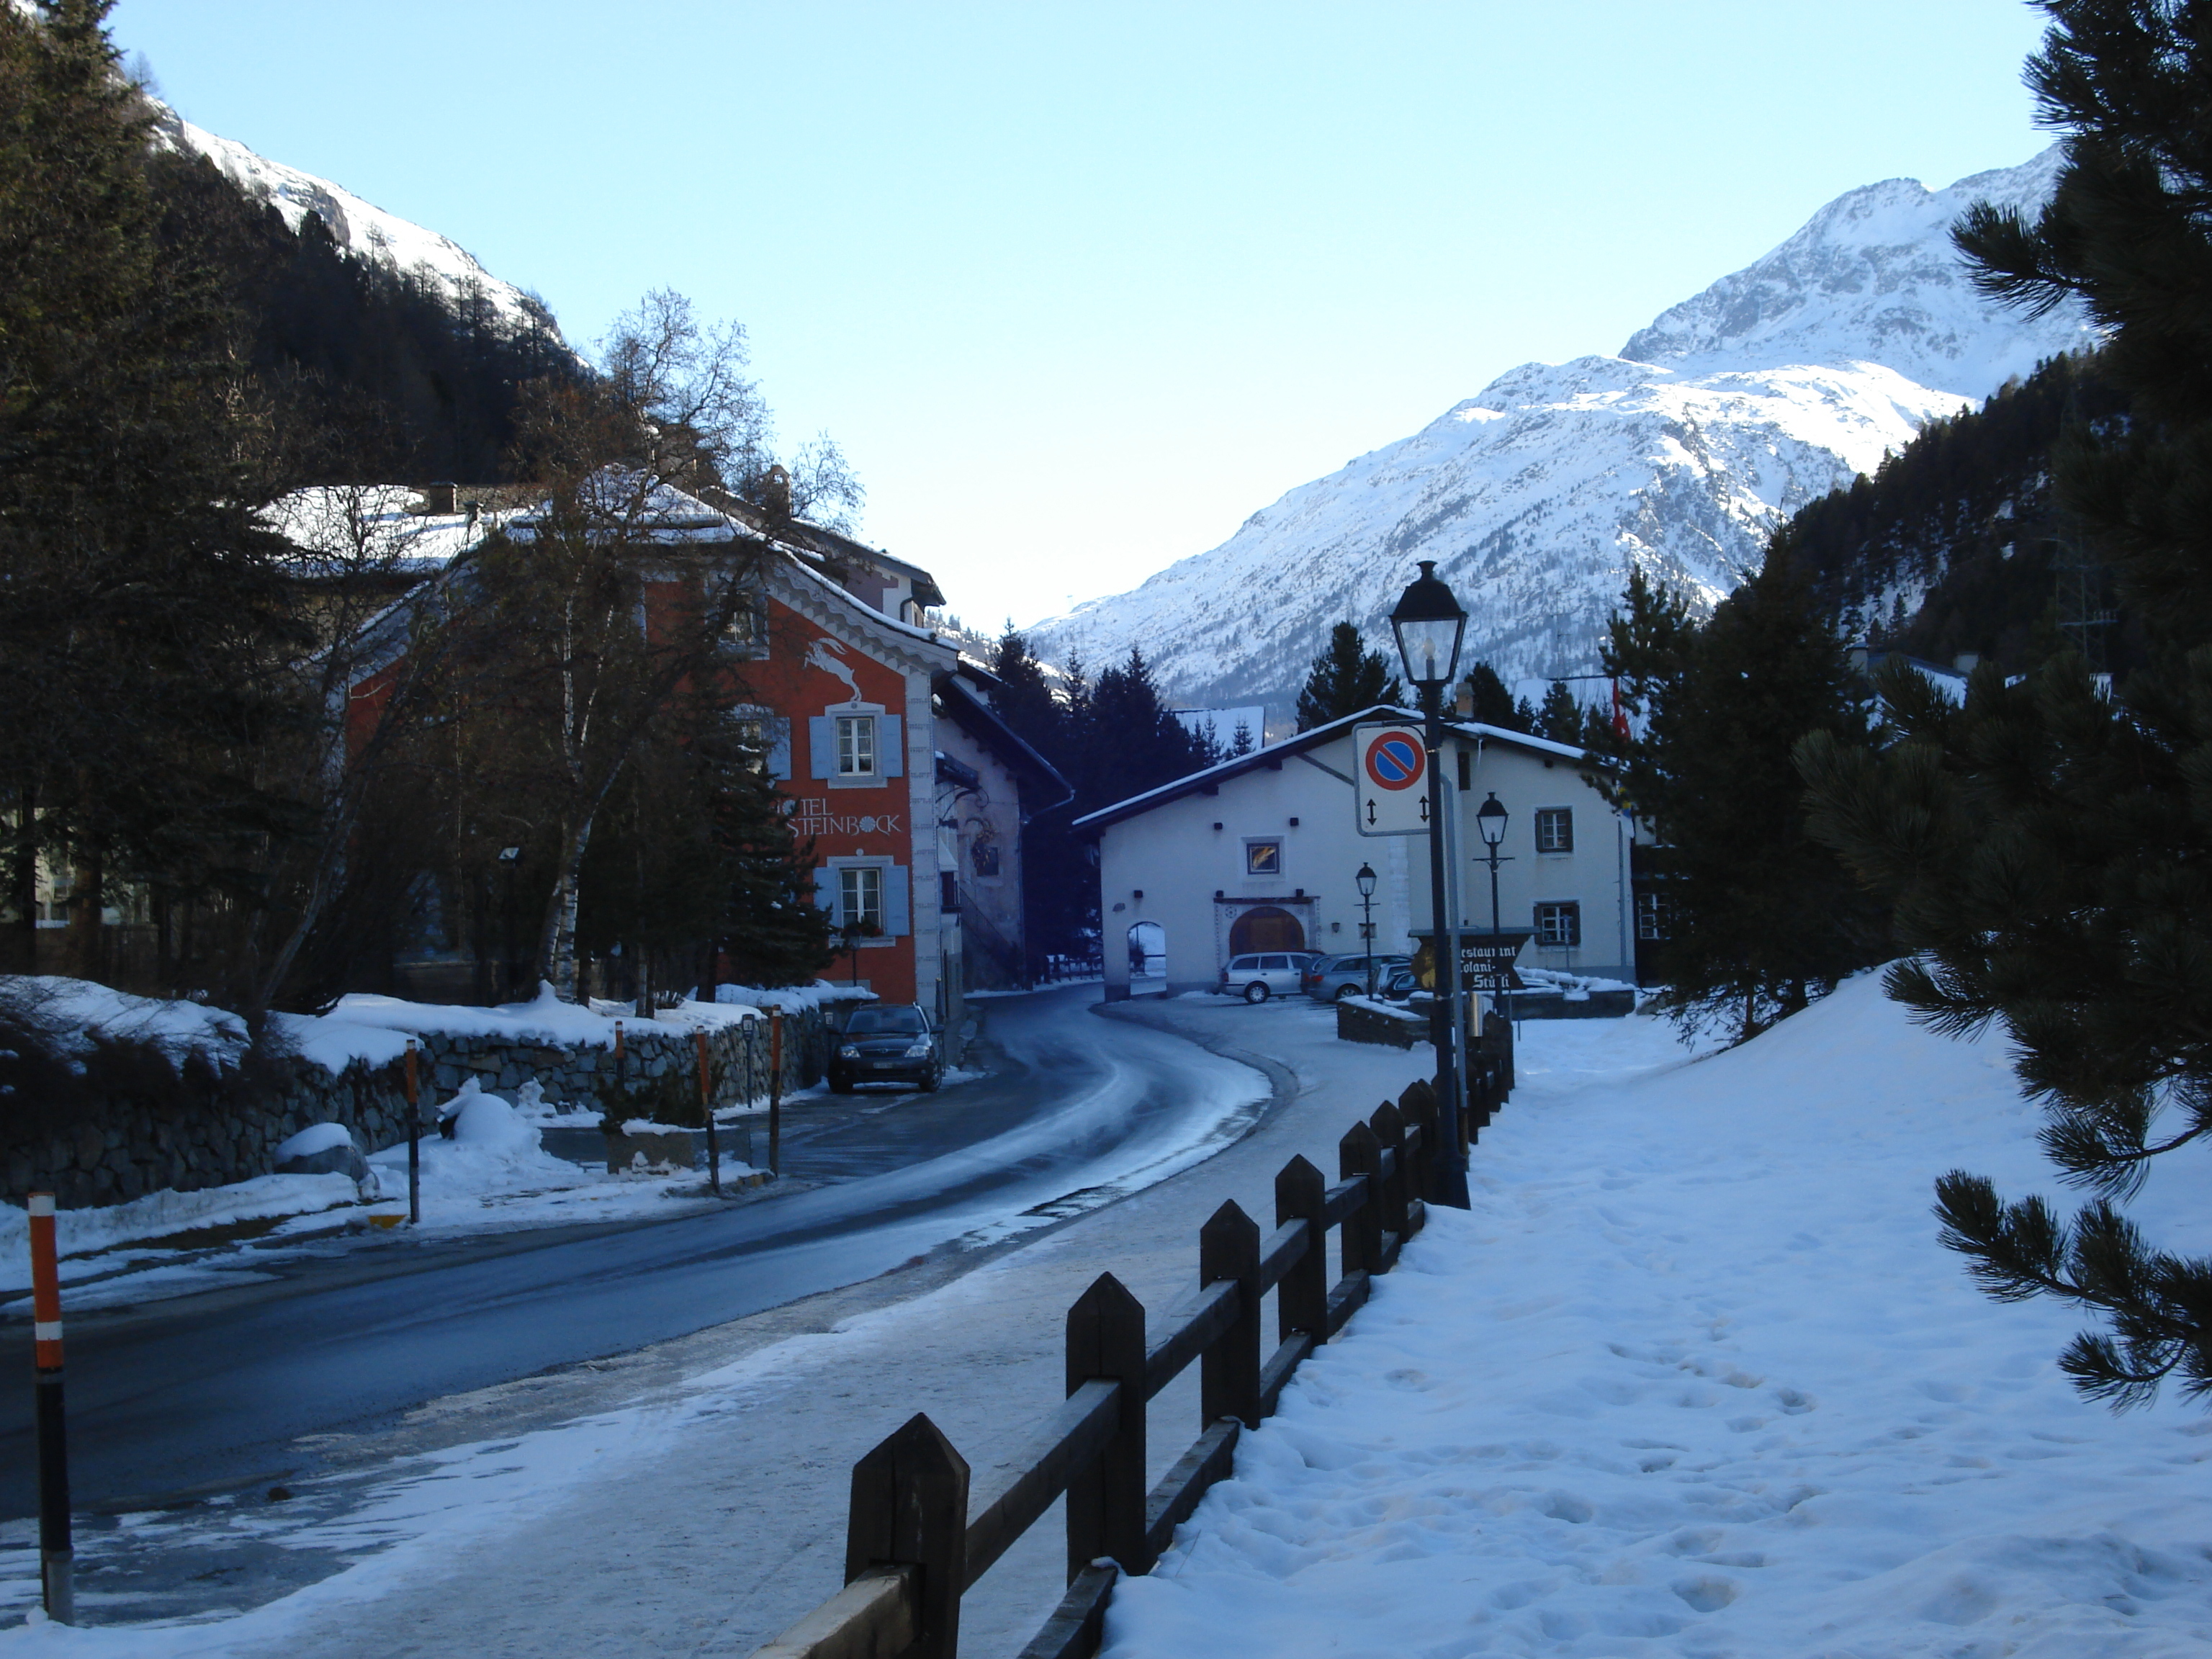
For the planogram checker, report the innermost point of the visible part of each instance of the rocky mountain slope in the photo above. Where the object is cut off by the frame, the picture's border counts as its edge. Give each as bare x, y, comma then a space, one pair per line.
361, 229
1682, 453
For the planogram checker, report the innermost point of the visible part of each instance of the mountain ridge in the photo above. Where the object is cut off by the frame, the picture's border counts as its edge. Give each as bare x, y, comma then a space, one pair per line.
1777, 383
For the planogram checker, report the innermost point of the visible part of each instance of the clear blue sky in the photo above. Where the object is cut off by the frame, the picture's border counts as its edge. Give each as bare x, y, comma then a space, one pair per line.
1080, 287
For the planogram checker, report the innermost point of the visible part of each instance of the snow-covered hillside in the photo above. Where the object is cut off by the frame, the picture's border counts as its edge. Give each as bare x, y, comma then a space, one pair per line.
361, 227
1774, 386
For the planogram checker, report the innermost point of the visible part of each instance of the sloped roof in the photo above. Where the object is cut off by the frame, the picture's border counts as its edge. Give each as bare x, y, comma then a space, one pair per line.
1273, 755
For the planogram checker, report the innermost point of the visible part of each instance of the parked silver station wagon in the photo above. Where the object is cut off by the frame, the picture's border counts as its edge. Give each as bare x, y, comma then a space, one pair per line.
1262, 974
1328, 978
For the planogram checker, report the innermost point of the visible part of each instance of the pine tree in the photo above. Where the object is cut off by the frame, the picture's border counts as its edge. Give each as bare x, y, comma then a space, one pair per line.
2046, 848
146, 633
1344, 680
1762, 917
1560, 719
1490, 702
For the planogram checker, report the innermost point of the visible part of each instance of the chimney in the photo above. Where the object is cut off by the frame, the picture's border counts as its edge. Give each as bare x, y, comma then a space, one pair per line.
1967, 661
776, 492
439, 499
1463, 699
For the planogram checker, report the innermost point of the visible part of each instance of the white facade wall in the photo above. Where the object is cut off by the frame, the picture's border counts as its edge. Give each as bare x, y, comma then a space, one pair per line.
1171, 865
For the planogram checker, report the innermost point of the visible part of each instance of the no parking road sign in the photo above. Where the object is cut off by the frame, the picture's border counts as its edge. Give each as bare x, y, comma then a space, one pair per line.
1391, 776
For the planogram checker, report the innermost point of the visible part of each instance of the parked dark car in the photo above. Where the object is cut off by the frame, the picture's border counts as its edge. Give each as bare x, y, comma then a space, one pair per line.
887, 1042
1328, 978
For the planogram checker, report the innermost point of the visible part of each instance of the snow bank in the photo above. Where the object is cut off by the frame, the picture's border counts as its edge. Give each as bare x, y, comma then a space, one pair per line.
791, 999
80, 1011
1694, 1377
546, 1020
161, 1215
316, 1138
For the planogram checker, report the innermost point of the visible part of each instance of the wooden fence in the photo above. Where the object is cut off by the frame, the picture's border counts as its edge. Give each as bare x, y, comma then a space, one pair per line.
914, 1547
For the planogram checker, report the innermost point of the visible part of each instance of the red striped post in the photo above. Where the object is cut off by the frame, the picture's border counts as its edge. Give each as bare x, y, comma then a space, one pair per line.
414, 1144
57, 1560
707, 1108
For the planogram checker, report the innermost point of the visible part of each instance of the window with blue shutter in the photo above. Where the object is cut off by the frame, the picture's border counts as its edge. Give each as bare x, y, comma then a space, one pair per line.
821, 746
890, 746
825, 889
898, 903
779, 749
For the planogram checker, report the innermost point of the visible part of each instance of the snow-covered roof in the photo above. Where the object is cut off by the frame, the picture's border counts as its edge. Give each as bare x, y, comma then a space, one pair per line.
347, 526
1274, 755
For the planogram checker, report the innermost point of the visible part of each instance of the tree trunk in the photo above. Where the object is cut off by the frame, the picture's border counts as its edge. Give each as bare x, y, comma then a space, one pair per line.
85, 906
557, 951
23, 877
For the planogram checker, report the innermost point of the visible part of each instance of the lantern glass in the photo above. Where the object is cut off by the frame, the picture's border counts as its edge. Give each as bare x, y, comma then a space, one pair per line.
1366, 881
1490, 818
1428, 623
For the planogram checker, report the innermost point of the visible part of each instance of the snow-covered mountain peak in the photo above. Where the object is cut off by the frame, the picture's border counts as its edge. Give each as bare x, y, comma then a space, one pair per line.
1872, 277
359, 227
1680, 456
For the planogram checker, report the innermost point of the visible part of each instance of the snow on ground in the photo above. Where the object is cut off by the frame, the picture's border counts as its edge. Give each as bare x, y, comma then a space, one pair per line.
1694, 1377
492, 1176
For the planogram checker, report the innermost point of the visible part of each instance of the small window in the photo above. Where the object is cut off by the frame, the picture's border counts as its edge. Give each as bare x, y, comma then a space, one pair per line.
1555, 830
948, 891
1558, 926
1263, 857
752, 733
856, 745
747, 633
861, 898
1466, 770
1652, 919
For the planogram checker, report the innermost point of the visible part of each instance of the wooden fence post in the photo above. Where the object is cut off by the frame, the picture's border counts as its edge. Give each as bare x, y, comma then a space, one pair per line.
1302, 1299
911, 1507
1106, 1502
1417, 1106
1390, 1130
1229, 1370
1360, 1154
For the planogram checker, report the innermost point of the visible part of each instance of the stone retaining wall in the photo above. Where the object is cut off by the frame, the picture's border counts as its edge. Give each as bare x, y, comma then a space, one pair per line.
113, 1149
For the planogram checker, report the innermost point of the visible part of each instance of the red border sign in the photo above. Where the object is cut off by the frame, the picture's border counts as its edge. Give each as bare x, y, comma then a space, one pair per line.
1395, 760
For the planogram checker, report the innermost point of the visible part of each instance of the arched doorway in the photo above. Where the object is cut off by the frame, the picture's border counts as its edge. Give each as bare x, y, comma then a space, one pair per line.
1148, 951
1266, 927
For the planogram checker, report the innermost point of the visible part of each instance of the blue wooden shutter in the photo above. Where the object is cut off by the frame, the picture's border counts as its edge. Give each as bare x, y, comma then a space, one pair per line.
822, 745
890, 747
898, 904
778, 748
825, 889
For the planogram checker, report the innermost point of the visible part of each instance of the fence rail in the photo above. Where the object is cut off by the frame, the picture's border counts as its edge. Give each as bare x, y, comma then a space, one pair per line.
912, 1547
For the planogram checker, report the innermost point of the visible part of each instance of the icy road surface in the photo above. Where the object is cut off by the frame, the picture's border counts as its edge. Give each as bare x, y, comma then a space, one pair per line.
221, 1389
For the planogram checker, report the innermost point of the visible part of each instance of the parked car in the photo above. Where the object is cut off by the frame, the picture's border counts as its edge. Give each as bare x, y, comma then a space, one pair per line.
1399, 986
887, 1042
1328, 978
1262, 974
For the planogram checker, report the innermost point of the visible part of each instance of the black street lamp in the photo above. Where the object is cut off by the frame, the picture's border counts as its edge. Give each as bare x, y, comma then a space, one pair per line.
1428, 624
1365, 882
1490, 819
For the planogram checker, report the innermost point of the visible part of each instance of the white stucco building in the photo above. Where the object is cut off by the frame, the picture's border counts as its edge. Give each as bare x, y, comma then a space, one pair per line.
1260, 853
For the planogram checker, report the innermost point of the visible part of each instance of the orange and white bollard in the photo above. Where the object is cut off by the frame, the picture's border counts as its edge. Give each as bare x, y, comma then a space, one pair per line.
57, 1560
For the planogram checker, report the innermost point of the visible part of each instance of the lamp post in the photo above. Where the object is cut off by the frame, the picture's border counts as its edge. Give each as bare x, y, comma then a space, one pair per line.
1365, 882
1490, 820
1428, 624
